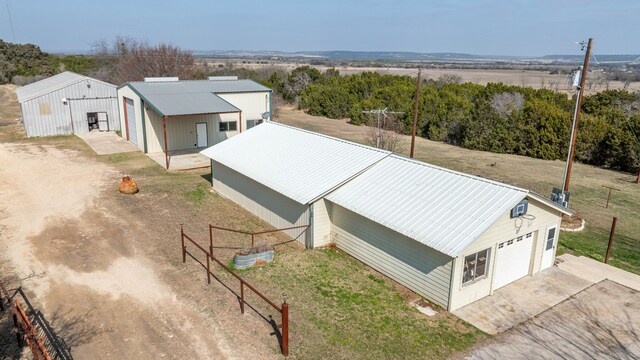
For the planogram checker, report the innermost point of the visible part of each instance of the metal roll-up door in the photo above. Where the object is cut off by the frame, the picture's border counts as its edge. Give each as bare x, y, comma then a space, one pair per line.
131, 121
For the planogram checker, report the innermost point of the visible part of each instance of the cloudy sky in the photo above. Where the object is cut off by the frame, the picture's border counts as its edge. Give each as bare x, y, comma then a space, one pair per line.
485, 27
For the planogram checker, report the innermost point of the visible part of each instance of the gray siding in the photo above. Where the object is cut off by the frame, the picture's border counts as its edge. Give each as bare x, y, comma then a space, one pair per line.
47, 115
412, 264
270, 206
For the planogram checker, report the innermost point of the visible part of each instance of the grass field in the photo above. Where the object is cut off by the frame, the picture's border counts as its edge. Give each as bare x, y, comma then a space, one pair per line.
588, 196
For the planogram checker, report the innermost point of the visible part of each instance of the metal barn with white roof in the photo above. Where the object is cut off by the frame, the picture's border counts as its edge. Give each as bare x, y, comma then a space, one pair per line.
68, 103
172, 116
450, 237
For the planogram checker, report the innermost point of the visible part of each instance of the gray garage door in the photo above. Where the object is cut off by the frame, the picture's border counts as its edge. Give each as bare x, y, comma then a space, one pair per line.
131, 121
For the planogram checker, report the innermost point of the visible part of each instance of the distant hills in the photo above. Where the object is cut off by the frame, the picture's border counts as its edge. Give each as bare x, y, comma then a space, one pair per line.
411, 56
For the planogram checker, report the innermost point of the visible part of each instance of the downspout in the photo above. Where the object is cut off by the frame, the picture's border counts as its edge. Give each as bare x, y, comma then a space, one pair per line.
240, 117
144, 126
453, 271
166, 149
311, 244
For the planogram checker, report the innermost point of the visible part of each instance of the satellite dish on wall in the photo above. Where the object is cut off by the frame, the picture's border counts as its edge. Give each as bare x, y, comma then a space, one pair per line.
265, 115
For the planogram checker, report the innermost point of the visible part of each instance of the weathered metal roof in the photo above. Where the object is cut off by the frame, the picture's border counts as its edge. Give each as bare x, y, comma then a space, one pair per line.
53, 83
296, 163
441, 208
196, 86
189, 104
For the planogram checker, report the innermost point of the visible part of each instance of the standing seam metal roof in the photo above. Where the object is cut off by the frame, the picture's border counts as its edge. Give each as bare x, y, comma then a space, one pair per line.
298, 164
441, 208
53, 83
188, 97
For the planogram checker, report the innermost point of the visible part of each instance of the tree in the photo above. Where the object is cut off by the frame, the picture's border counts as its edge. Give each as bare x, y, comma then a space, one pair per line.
385, 132
127, 59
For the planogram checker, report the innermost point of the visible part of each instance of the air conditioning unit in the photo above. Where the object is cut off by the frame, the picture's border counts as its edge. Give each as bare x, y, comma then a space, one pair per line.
520, 209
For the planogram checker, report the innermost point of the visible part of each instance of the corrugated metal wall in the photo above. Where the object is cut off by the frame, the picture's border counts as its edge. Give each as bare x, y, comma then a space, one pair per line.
181, 131
48, 115
270, 206
412, 264
321, 223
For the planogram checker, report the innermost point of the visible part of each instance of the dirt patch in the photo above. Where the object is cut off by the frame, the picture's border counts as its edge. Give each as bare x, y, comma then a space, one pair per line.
572, 222
87, 243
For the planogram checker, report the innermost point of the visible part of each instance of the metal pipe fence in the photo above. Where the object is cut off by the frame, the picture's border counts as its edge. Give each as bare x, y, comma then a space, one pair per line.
283, 309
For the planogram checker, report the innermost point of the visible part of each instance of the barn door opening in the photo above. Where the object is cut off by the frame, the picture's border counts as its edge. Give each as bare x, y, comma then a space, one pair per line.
92, 120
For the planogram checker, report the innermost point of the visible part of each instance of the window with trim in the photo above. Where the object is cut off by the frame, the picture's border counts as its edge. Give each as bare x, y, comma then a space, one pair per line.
475, 266
228, 126
252, 123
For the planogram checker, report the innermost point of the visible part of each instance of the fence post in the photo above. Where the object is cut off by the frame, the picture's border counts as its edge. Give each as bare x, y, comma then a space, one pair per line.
184, 250
208, 271
211, 239
613, 231
638, 178
16, 328
285, 328
241, 296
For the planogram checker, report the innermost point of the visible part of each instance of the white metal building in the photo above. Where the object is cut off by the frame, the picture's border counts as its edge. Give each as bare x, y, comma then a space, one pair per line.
68, 103
169, 115
450, 237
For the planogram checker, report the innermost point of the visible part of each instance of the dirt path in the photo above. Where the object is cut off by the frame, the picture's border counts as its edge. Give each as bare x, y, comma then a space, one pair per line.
86, 266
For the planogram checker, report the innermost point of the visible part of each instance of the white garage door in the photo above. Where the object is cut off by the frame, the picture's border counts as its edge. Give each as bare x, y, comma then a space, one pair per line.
513, 260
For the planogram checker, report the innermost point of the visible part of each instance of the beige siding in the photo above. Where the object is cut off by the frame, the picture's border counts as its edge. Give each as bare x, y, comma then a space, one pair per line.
504, 229
412, 264
128, 93
181, 131
270, 206
321, 223
251, 104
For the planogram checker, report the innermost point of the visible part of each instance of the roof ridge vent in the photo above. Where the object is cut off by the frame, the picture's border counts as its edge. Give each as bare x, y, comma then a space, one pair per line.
222, 78
162, 79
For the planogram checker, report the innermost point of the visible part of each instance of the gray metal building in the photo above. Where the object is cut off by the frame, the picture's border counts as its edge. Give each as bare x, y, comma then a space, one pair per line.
68, 103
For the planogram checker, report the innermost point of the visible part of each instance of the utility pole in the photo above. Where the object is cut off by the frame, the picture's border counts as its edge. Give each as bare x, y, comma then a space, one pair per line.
382, 113
415, 115
576, 117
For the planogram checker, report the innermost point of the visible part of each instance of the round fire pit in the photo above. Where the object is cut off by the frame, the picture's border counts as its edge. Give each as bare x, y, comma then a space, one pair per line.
254, 256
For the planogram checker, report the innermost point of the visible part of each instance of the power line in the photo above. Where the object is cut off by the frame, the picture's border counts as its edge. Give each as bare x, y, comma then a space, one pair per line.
6, 3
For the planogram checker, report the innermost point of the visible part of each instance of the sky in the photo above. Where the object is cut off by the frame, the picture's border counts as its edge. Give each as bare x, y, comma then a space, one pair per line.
481, 27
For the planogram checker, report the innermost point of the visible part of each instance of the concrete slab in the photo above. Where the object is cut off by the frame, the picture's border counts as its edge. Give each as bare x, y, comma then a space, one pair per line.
182, 160
521, 300
107, 142
596, 271
600, 322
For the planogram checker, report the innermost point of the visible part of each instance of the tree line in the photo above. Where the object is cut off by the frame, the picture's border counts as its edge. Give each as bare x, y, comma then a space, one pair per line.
493, 117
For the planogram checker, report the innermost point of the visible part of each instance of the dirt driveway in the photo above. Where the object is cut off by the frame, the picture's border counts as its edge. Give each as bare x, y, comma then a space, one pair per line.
96, 268
601, 322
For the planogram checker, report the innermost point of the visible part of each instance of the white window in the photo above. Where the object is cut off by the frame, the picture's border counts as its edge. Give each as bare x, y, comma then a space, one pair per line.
252, 123
475, 266
228, 126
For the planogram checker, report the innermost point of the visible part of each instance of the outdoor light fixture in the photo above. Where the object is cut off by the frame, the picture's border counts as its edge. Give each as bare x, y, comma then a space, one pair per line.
64, 101
88, 84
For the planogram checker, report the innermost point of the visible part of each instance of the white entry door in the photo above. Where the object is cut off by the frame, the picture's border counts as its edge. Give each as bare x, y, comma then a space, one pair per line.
513, 260
201, 134
548, 255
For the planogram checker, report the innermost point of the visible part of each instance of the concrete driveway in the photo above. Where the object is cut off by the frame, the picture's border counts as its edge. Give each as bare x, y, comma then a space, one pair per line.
107, 142
600, 322
521, 300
